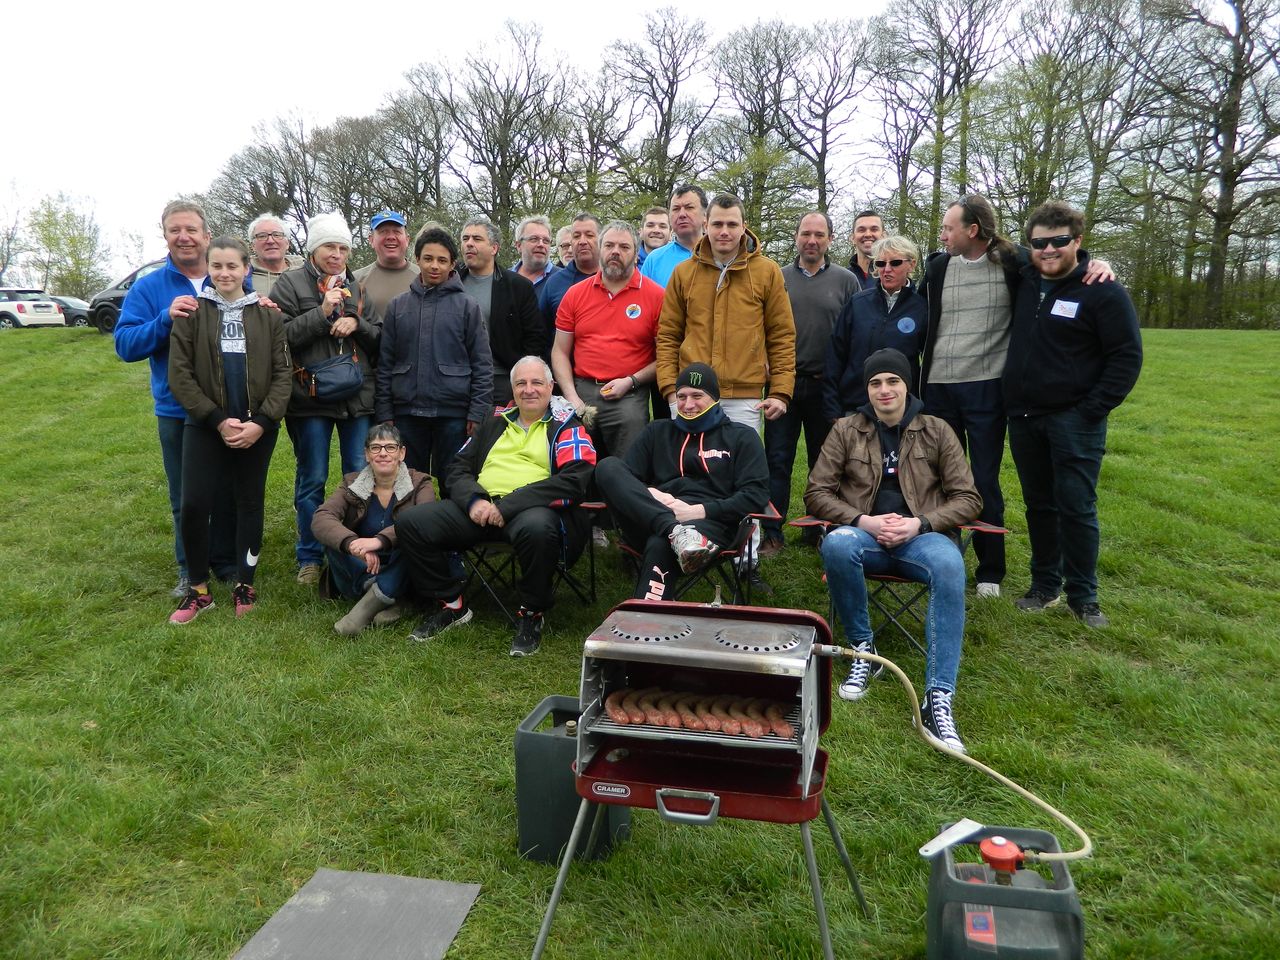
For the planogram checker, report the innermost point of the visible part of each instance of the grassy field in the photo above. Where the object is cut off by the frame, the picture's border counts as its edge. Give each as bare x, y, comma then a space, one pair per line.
163, 791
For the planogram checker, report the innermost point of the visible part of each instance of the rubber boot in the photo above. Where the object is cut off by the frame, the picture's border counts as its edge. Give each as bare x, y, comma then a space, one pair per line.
362, 614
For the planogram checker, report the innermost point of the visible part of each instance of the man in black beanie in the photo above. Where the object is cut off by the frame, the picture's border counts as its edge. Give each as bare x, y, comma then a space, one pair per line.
894, 485
686, 484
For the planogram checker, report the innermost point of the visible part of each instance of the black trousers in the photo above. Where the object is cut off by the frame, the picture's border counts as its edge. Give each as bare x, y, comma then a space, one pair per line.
646, 524
209, 468
428, 532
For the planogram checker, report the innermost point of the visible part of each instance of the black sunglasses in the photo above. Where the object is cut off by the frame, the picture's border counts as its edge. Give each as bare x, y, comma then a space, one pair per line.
1058, 242
881, 264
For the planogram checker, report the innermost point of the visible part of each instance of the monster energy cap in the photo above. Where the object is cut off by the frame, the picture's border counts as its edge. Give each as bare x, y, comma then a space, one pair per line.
700, 377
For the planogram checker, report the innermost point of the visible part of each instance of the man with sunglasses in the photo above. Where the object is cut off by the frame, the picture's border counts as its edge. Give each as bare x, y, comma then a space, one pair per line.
1074, 354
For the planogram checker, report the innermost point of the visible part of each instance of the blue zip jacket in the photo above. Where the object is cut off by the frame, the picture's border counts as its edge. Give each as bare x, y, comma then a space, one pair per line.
864, 326
142, 332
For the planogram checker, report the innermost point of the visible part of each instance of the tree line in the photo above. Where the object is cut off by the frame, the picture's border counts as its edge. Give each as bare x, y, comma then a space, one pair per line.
1160, 119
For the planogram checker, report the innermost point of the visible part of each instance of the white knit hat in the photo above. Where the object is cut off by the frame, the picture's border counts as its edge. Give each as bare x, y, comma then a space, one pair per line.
327, 228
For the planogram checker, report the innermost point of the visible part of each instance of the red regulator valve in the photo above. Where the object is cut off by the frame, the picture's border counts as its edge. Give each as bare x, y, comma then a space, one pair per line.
1001, 855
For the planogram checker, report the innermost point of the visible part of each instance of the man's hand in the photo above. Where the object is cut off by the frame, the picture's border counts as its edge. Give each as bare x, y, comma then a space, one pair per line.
269, 303
773, 407
687, 511
665, 499
485, 513
471, 427
1097, 271
615, 389
343, 326
896, 530
182, 306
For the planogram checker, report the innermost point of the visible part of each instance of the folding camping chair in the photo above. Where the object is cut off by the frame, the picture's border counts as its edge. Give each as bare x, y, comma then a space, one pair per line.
896, 599
731, 567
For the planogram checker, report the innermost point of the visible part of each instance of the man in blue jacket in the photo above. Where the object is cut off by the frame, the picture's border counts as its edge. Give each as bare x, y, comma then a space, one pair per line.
142, 333
1074, 354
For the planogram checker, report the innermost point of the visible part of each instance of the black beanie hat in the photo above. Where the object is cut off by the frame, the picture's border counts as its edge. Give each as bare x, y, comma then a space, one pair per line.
887, 360
700, 377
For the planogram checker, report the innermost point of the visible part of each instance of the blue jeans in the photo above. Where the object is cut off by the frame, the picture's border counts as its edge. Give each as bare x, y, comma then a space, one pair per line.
222, 521
849, 553
782, 436
1059, 456
975, 411
311, 438
351, 577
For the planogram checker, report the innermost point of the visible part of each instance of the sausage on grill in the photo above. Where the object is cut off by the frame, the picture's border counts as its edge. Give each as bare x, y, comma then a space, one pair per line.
749, 726
667, 707
631, 704
706, 714
613, 706
728, 722
686, 704
777, 717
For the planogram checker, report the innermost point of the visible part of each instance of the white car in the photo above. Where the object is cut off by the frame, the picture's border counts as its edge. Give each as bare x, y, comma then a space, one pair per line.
28, 307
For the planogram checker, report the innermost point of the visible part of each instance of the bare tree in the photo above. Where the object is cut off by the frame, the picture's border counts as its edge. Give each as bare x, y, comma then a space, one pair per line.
658, 72
416, 138
12, 245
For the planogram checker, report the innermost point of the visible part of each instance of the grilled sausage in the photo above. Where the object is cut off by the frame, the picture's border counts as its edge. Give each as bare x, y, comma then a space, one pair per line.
667, 707
686, 706
613, 706
706, 714
634, 713
728, 723
746, 726
777, 717
648, 702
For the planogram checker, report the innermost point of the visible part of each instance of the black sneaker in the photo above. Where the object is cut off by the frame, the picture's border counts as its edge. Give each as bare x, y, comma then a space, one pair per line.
1090, 614
860, 675
1037, 600
939, 724
440, 621
759, 584
528, 633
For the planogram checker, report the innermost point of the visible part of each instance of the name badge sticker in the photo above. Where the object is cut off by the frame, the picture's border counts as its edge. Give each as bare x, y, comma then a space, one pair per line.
1065, 308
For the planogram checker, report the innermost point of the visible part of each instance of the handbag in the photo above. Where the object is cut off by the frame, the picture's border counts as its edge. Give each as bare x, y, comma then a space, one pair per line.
333, 378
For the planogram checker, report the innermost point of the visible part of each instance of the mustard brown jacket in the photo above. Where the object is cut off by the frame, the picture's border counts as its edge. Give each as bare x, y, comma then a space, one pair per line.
932, 473
737, 320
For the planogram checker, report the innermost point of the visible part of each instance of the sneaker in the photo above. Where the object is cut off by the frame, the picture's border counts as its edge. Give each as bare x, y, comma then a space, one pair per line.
180, 589
192, 605
1037, 600
988, 589
771, 547
860, 675
440, 621
759, 584
528, 633
309, 574
599, 538
245, 597
1090, 614
939, 725
693, 550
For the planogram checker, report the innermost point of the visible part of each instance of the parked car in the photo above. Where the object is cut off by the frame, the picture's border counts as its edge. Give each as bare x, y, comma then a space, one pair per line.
28, 307
104, 308
74, 310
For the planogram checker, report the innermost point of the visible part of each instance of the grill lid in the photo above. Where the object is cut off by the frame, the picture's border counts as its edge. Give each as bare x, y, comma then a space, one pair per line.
711, 640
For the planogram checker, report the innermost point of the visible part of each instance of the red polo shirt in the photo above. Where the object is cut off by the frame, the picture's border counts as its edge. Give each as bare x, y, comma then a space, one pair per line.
614, 335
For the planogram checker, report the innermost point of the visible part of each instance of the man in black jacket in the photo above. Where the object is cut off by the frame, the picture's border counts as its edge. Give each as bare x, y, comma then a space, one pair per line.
686, 484
1074, 355
518, 479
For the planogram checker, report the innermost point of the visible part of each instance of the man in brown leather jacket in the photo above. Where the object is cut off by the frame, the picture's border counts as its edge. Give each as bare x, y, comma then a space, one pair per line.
894, 484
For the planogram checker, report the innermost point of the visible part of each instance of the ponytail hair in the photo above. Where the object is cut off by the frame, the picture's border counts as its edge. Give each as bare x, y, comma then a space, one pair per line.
977, 210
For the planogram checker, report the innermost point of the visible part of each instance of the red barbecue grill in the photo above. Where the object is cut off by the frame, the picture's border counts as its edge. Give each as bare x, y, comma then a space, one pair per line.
746, 661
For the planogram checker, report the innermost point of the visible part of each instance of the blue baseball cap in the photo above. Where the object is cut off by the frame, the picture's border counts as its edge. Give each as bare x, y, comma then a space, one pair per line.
386, 216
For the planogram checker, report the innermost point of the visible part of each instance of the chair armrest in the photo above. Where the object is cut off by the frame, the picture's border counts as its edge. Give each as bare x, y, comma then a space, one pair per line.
770, 512
979, 526
809, 520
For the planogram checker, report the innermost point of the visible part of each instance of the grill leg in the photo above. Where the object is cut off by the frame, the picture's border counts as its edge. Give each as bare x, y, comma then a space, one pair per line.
812, 863
844, 856
565, 863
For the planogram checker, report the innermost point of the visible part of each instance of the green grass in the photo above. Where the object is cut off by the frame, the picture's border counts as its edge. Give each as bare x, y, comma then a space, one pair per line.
164, 791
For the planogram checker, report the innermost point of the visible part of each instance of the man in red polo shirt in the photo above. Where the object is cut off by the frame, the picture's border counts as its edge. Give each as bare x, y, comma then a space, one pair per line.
605, 351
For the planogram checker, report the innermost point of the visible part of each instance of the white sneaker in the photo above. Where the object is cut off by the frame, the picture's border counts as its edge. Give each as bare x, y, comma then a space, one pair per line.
988, 589
693, 550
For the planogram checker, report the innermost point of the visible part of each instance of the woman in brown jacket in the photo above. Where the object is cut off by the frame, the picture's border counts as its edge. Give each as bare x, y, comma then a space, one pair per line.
356, 525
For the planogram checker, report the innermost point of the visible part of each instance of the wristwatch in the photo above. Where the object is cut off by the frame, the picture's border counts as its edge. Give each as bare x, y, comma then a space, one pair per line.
925, 525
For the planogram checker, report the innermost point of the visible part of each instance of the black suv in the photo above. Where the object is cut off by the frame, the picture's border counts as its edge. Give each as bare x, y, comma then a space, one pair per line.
104, 309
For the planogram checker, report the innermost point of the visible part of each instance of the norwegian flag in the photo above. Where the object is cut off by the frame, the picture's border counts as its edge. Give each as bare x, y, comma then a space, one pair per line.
575, 445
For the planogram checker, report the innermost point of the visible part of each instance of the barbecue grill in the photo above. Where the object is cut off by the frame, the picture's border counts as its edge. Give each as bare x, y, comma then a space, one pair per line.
752, 654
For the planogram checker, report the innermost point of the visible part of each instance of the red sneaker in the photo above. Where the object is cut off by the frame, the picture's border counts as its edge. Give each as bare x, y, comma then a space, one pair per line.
245, 597
192, 605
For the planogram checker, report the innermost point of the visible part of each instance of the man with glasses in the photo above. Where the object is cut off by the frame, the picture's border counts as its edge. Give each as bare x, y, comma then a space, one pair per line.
533, 246
970, 288
391, 273
889, 314
271, 256
1074, 354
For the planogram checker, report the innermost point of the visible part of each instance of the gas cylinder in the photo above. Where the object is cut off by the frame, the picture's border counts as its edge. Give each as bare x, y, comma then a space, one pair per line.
997, 909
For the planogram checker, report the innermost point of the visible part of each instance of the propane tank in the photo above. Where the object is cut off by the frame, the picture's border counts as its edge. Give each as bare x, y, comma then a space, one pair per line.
996, 909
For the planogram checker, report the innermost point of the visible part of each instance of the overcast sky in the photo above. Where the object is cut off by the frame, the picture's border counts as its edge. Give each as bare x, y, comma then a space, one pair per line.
125, 106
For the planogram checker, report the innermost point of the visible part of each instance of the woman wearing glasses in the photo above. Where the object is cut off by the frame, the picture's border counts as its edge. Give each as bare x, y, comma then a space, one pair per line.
356, 525
890, 314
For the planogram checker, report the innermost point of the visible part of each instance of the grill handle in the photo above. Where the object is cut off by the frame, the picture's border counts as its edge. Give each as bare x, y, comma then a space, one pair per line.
693, 819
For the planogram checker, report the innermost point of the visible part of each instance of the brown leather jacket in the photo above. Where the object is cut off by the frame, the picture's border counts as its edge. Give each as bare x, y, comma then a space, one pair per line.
335, 520
934, 476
